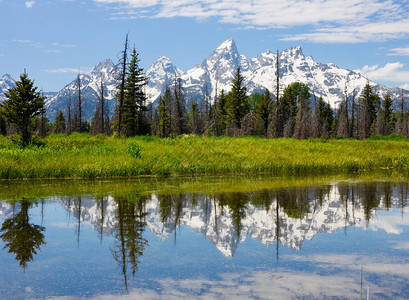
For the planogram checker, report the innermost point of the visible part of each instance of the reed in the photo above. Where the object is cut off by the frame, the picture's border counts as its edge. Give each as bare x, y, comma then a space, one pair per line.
85, 156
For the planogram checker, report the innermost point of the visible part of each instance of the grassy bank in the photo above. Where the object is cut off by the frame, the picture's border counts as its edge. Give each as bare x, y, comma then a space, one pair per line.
82, 156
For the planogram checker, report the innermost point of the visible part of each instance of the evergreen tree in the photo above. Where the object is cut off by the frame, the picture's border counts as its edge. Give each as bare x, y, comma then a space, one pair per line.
325, 118
384, 121
343, 117
134, 103
100, 120
400, 127
264, 108
164, 118
368, 109
221, 114
121, 90
178, 109
59, 124
287, 108
194, 119
303, 119
343, 128
23, 103
236, 107
3, 124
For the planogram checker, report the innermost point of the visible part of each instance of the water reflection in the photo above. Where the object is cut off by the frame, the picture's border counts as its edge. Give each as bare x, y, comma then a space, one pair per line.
284, 217
21, 237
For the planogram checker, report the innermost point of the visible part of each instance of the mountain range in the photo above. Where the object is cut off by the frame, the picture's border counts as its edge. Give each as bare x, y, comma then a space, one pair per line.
214, 74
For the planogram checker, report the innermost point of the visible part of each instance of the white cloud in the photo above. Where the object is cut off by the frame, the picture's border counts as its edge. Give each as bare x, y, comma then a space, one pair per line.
391, 72
67, 70
30, 4
332, 20
404, 51
405, 86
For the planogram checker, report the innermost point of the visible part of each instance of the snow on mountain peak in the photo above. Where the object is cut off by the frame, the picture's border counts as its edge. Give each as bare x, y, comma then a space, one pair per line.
103, 65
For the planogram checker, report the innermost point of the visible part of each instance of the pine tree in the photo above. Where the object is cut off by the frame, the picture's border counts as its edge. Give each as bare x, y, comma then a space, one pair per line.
164, 117
264, 108
400, 127
325, 118
194, 119
384, 121
59, 124
368, 109
23, 103
178, 109
287, 108
236, 107
121, 89
343, 116
302, 128
3, 124
221, 114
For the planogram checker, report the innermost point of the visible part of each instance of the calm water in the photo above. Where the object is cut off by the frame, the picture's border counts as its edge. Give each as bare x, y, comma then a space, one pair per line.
285, 243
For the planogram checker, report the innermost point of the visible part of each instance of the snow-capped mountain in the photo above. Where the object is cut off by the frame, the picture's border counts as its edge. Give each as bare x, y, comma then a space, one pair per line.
161, 73
216, 73
90, 83
6, 82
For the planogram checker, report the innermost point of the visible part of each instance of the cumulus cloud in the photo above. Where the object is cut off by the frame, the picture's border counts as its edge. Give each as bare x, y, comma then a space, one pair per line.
332, 20
391, 72
30, 4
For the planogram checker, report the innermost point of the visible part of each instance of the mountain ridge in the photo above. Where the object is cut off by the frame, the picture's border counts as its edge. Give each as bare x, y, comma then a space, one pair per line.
215, 73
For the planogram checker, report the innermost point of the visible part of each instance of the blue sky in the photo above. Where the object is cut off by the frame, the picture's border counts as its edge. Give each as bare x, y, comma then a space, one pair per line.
53, 39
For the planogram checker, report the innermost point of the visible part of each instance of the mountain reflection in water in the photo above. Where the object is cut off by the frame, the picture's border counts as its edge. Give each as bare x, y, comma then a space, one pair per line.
283, 217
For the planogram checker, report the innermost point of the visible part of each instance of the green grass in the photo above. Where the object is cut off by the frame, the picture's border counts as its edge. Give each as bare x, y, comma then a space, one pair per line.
83, 156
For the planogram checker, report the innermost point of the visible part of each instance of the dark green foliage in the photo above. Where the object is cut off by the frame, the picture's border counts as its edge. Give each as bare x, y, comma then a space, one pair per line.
264, 109
368, 108
221, 113
384, 121
163, 116
253, 101
236, 105
134, 103
325, 118
194, 119
23, 103
3, 124
287, 109
59, 124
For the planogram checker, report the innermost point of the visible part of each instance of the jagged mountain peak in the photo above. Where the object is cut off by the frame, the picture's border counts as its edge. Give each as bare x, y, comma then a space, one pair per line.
225, 55
7, 77
163, 65
229, 44
293, 51
103, 65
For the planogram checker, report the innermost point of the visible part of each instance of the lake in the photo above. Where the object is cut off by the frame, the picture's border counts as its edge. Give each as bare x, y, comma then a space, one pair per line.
204, 239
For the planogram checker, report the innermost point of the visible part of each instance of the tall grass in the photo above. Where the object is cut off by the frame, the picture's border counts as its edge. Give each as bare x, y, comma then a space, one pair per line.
84, 156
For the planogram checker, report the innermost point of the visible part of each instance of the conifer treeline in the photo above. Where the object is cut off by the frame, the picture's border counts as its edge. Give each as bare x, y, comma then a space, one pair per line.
295, 113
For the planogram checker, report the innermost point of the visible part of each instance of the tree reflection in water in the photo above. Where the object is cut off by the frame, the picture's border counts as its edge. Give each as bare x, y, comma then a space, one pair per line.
21, 237
129, 241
